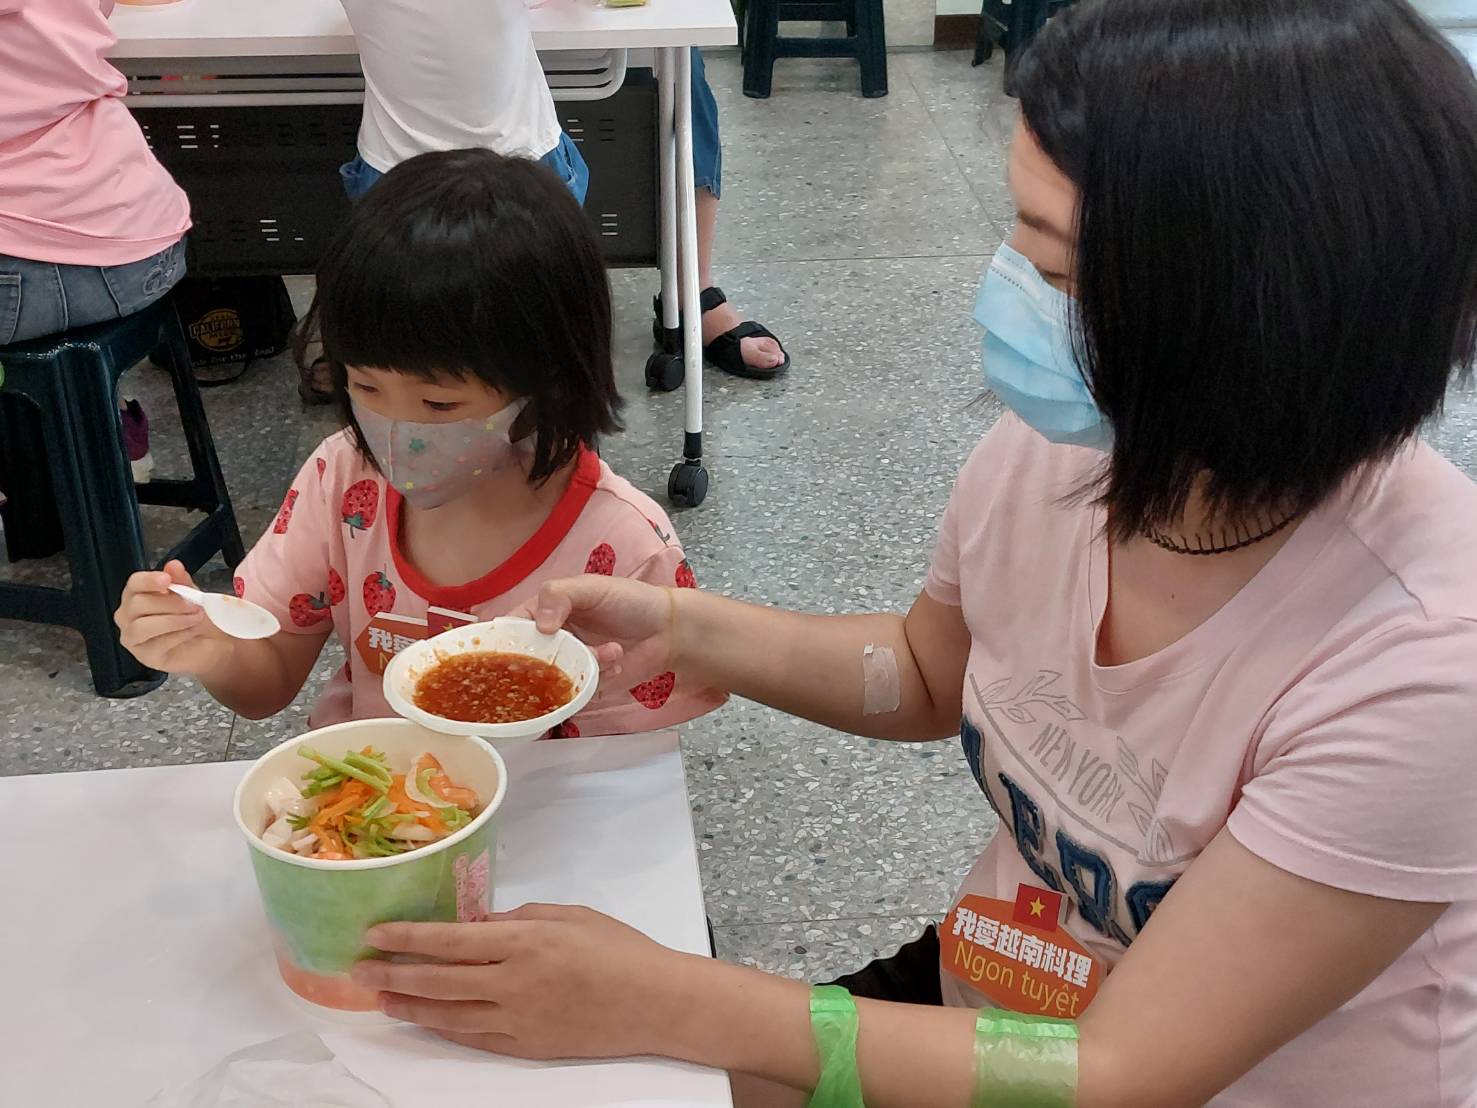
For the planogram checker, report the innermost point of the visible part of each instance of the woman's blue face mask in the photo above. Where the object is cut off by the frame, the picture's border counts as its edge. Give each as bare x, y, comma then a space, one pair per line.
1027, 355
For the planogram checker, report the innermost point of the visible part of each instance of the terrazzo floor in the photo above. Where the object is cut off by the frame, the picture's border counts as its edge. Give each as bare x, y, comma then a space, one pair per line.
857, 229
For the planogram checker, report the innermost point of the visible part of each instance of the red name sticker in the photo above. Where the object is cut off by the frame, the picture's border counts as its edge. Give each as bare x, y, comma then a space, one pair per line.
384, 636
1018, 955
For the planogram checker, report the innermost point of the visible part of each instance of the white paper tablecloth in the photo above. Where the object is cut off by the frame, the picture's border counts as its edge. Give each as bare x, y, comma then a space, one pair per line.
134, 953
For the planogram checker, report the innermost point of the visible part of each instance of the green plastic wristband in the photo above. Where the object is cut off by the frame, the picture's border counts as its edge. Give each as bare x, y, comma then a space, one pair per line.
833, 1022
1023, 1061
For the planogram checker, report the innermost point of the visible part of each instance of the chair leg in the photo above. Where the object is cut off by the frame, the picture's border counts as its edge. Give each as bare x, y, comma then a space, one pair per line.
210, 492
100, 517
32, 527
984, 42
764, 30
872, 47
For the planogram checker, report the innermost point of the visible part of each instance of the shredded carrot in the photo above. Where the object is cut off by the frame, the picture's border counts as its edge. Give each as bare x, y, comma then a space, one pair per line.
354, 794
339, 816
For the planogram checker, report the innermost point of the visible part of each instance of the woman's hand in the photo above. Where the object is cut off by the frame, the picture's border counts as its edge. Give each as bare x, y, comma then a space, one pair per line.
544, 981
166, 632
629, 624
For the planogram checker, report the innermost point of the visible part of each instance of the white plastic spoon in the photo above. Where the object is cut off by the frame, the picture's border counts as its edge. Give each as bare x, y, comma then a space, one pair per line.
238, 618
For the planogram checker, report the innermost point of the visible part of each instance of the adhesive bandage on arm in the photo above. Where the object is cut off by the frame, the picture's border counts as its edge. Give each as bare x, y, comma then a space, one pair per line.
881, 687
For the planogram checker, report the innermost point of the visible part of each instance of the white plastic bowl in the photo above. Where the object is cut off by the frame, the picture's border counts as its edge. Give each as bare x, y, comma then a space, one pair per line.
513, 636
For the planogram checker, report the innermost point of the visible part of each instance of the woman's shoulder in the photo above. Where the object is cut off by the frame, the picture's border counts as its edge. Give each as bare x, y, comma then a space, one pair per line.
1011, 453
1418, 517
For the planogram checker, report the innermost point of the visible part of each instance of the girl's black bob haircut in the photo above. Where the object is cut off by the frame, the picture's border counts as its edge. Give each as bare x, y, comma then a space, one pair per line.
1276, 255
469, 263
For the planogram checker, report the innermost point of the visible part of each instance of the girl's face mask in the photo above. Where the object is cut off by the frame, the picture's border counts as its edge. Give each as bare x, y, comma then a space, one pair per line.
431, 464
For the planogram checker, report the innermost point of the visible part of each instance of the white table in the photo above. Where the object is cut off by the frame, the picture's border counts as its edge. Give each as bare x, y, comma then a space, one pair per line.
134, 953
262, 32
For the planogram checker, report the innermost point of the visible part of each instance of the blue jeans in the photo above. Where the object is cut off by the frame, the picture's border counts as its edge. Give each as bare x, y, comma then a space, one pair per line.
707, 151
565, 159
42, 298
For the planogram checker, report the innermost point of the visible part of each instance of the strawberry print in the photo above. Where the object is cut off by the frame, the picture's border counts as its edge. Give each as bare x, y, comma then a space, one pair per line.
307, 610
361, 505
322, 465
601, 560
656, 692
336, 588
565, 730
238, 586
379, 594
284, 514
686, 579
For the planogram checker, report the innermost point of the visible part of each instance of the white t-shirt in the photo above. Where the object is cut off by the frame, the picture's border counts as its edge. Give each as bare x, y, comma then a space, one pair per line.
449, 75
1326, 716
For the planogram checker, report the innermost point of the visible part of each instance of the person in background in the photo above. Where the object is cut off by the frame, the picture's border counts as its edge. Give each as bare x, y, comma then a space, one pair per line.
466, 320
456, 74
739, 347
91, 225
1203, 613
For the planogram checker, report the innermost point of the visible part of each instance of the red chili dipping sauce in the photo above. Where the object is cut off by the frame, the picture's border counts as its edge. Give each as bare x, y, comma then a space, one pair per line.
490, 686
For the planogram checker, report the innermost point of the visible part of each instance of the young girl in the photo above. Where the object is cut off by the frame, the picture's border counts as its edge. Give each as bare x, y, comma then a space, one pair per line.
466, 317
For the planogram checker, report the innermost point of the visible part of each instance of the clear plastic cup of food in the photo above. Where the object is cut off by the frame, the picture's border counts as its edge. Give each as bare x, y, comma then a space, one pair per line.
408, 834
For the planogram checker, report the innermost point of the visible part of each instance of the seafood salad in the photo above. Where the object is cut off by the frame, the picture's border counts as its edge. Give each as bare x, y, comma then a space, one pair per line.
358, 806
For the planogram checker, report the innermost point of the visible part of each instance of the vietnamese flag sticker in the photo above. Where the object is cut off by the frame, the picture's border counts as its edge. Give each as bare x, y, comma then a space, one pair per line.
1037, 908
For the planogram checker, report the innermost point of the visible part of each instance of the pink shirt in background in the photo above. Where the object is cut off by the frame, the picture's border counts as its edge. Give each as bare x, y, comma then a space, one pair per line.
1326, 715
332, 558
78, 184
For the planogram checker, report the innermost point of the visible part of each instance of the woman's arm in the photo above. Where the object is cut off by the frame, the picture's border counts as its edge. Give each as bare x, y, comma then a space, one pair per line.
885, 676
1239, 958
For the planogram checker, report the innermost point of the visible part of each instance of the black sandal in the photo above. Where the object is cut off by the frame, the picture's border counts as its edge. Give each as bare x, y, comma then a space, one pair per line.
726, 351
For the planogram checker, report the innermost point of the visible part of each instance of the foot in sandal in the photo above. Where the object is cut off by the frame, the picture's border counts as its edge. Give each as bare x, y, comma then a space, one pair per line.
737, 346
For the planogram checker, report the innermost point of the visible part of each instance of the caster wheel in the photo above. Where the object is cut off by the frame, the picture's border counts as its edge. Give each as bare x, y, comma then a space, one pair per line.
664, 372
687, 487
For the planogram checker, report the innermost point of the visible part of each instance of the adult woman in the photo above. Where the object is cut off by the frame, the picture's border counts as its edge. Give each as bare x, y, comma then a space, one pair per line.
91, 225
1214, 664
90, 222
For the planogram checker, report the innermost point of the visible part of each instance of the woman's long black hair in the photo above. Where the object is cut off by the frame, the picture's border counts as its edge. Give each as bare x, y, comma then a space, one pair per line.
1276, 259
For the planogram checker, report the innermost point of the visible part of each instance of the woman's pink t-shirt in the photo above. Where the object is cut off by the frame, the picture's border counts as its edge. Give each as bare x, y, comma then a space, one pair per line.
1326, 716
332, 559
78, 184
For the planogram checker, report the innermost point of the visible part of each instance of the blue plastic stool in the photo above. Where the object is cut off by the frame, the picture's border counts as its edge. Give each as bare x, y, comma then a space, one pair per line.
73, 379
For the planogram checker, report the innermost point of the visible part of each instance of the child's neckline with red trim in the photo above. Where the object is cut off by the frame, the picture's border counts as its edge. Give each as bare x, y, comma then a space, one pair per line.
519, 565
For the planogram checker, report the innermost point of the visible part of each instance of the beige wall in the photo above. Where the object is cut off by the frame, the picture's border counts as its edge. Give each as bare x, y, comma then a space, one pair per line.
910, 22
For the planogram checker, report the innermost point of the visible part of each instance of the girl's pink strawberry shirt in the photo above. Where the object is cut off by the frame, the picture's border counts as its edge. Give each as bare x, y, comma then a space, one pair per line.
331, 557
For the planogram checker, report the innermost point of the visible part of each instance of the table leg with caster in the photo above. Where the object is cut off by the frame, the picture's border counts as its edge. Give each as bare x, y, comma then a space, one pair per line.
664, 369
688, 484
